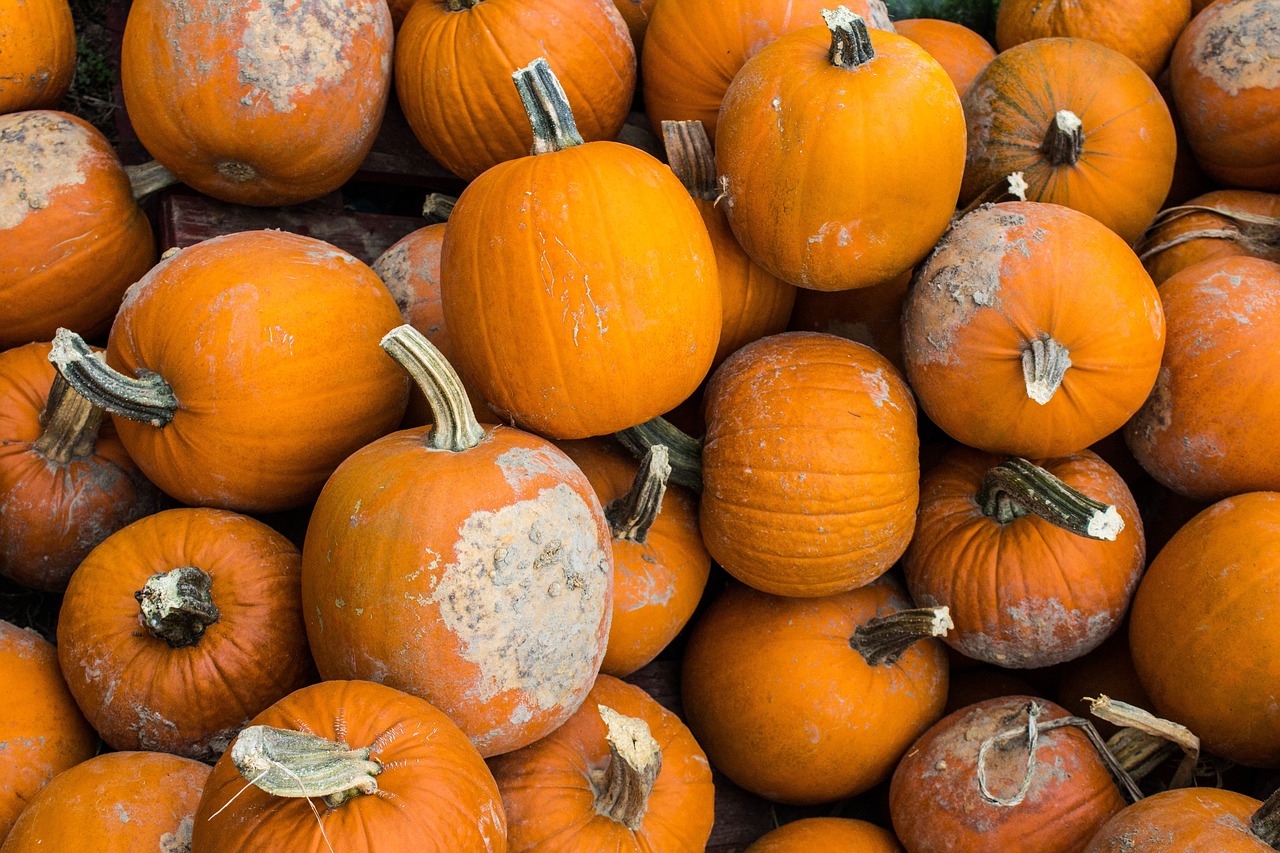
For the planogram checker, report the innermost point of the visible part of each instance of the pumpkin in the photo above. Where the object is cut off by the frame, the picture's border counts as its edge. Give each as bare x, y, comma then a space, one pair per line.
798, 108
120, 802
808, 700
1181, 632
39, 41
72, 237
388, 771
469, 566
869, 315
826, 835
574, 277
636, 13
960, 51
1084, 126
273, 377
66, 482
1036, 562
1032, 330
1011, 773
454, 58
42, 728
622, 775
1142, 30
1206, 429
1217, 224
1191, 820
1225, 75
209, 95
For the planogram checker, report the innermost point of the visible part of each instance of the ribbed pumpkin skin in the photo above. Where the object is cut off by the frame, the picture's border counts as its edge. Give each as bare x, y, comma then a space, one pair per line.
479, 580
1007, 275
72, 238
550, 795
590, 311
453, 74
211, 98
810, 465
1189, 820
1207, 429
441, 799
1023, 594
276, 368
42, 728
813, 191
39, 44
1203, 663
958, 49
1126, 166
826, 835
1142, 30
1167, 262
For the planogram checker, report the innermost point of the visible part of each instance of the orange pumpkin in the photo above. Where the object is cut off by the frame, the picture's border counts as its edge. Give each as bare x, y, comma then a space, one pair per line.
1191, 820
264, 104
1142, 30
959, 50
39, 39
827, 835
869, 315
1218, 224
636, 13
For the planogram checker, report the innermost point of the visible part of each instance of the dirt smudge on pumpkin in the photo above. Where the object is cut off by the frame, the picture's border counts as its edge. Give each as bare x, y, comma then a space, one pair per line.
1240, 47
179, 841
520, 465
40, 153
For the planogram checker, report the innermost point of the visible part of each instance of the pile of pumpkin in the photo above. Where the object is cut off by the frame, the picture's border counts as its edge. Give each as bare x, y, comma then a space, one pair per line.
845, 408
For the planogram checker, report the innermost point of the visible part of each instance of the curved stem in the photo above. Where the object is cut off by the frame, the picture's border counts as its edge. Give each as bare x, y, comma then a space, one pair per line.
150, 177
1134, 719
1064, 141
884, 639
685, 452
1044, 363
1015, 487
177, 606
850, 41
454, 427
148, 398
287, 763
70, 424
437, 207
691, 157
631, 515
635, 760
1258, 235
547, 107
1139, 752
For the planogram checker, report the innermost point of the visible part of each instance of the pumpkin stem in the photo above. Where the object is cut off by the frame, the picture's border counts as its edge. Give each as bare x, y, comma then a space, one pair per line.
287, 763
547, 107
459, 5
1258, 235
150, 177
685, 452
850, 41
1135, 719
148, 398
177, 605
1265, 823
454, 427
70, 424
631, 515
1015, 487
635, 760
1139, 752
437, 207
691, 157
1044, 363
1064, 142
884, 639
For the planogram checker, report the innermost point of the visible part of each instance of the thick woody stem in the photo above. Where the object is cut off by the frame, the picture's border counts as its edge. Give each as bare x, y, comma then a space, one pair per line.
437, 207
1265, 822
850, 41
70, 424
691, 157
150, 177
685, 452
1016, 487
635, 760
454, 427
1258, 235
459, 5
148, 398
631, 515
884, 639
1131, 717
287, 763
1044, 363
177, 606
547, 107
1064, 141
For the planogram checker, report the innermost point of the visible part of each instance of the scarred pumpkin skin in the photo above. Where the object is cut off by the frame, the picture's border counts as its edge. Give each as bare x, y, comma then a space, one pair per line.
958, 49
211, 99
827, 835
1171, 244
1189, 820
72, 238
38, 43
434, 795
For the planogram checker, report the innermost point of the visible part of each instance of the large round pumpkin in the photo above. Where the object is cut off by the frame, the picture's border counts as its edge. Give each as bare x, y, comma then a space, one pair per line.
960, 51
1142, 30
39, 40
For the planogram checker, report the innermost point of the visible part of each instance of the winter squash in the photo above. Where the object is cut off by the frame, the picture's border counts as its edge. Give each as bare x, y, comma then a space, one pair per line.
469, 566
1192, 820
562, 308
1201, 433
1084, 126
1033, 330
72, 237
1224, 73
869, 315
210, 97
273, 377
1036, 562
622, 774
66, 482
154, 628
388, 771
119, 802
1144, 31
959, 50
826, 835
1217, 224
808, 700
453, 62
42, 728
798, 108
39, 41
636, 13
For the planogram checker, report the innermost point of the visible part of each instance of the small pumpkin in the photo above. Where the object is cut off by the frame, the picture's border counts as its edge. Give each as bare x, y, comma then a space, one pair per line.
826, 835
960, 51
1192, 820
1217, 224
39, 39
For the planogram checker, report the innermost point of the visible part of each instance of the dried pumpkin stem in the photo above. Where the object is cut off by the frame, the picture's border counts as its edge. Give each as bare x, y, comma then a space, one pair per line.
850, 41
1265, 822
684, 451
147, 398
1258, 235
635, 760
691, 157
1139, 752
459, 5
884, 639
1134, 718
1016, 487
287, 763
150, 177
455, 427
1044, 363
177, 605
1064, 142
631, 515
437, 207
70, 424
547, 107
